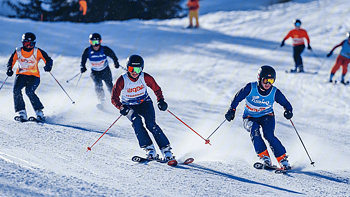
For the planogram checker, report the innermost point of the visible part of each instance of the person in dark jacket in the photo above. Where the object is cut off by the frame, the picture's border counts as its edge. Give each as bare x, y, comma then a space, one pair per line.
100, 71
258, 112
28, 75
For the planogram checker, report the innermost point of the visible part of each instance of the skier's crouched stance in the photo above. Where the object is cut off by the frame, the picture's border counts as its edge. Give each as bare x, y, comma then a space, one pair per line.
130, 96
258, 112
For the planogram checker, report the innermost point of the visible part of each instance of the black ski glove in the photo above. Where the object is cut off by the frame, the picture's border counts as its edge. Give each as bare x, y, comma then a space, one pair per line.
309, 47
47, 68
124, 110
282, 44
288, 114
116, 65
230, 114
162, 105
9, 72
329, 54
82, 69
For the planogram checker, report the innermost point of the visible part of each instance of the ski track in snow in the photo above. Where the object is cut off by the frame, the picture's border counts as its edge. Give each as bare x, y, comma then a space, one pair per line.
199, 71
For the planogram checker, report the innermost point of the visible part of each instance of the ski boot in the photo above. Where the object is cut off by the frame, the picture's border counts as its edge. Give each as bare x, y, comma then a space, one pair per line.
168, 156
283, 161
40, 115
21, 116
301, 68
151, 152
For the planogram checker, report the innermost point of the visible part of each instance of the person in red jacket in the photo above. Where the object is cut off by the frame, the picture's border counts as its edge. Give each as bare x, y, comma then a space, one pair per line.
193, 6
27, 75
298, 34
130, 96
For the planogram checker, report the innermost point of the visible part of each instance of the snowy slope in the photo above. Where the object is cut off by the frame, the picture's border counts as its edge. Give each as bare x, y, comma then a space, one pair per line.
199, 72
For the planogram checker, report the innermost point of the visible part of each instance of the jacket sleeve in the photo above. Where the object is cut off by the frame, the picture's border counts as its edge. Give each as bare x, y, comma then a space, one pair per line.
12, 60
240, 95
336, 46
48, 61
150, 82
84, 57
307, 38
287, 36
281, 99
109, 52
117, 88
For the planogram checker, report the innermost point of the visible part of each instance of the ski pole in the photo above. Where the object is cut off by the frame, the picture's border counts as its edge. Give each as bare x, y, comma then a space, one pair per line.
206, 141
312, 163
73, 102
78, 82
4, 82
72, 78
89, 148
316, 56
123, 68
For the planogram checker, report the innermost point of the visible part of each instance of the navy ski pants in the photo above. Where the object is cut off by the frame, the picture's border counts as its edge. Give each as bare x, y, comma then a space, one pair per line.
267, 123
30, 83
99, 76
146, 110
297, 51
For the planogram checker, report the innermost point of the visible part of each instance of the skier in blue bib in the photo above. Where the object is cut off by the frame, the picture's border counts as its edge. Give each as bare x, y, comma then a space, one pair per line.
258, 112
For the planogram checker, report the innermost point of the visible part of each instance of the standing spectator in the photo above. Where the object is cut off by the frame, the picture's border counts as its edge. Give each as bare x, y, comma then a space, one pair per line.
193, 6
298, 36
100, 71
83, 9
343, 59
28, 76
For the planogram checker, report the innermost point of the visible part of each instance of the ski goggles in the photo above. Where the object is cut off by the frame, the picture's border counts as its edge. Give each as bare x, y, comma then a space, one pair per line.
134, 69
268, 80
28, 44
95, 42
297, 24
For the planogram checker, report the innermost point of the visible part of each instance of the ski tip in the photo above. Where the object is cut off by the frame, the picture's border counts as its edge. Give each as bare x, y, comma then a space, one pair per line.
188, 161
172, 162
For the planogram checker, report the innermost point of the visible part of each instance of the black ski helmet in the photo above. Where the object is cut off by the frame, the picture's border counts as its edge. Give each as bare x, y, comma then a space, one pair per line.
134, 61
95, 36
28, 37
297, 21
266, 72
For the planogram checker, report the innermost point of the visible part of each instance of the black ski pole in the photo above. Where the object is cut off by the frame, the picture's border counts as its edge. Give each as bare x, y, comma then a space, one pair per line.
73, 102
72, 78
4, 82
312, 163
215, 130
78, 82
316, 56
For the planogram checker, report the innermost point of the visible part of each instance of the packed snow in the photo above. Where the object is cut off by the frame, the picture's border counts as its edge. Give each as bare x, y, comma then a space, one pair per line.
199, 71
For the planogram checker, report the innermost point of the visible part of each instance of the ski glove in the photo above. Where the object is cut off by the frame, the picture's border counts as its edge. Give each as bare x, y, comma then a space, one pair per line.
47, 68
116, 65
329, 54
9, 72
288, 114
230, 114
282, 44
309, 47
124, 110
82, 69
162, 105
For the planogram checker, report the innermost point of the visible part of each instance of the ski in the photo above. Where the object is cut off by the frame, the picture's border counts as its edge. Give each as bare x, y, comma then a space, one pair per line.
305, 72
30, 119
170, 162
276, 169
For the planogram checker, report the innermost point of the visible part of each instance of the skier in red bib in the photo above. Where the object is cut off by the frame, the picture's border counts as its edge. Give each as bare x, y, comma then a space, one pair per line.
130, 96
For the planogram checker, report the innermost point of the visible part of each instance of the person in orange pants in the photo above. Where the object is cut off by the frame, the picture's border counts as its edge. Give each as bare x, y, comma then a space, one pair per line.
193, 6
83, 9
343, 59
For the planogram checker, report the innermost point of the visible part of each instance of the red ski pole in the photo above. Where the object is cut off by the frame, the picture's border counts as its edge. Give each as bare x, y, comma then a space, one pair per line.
89, 148
4, 82
206, 141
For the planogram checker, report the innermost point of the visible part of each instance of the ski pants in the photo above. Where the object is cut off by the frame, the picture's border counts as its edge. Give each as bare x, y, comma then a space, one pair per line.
30, 83
99, 76
341, 61
193, 14
297, 51
267, 123
146, 110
